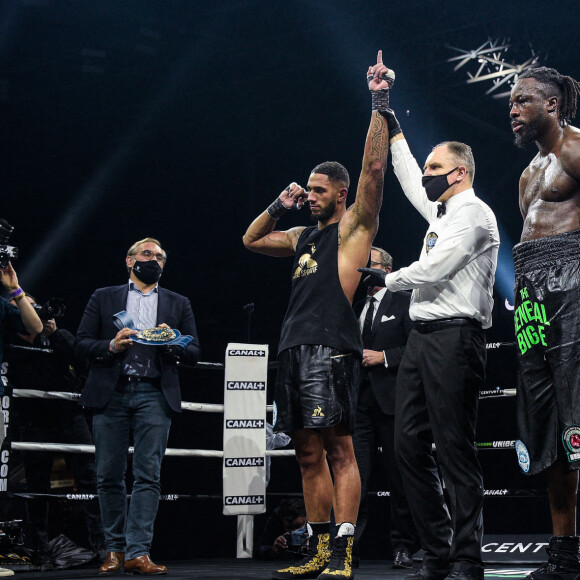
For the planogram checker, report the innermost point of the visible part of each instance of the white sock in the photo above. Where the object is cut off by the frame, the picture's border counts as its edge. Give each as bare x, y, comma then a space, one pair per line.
345, 529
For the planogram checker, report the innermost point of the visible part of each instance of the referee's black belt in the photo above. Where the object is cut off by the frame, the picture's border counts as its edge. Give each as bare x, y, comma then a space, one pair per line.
443, 323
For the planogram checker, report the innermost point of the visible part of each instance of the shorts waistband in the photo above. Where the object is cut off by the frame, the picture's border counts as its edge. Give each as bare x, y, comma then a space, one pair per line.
443, 323
546, 252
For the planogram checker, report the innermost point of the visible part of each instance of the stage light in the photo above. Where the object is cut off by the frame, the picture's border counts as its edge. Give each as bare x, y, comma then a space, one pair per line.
491, 57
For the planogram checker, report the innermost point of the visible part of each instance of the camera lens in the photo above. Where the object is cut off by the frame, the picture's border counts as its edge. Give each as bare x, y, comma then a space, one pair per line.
5, 231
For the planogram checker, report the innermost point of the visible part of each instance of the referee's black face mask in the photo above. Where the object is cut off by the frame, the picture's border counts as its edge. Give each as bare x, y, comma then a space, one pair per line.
436, 185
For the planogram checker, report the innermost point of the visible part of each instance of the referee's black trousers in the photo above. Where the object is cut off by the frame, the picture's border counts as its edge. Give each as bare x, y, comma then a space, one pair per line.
438, 386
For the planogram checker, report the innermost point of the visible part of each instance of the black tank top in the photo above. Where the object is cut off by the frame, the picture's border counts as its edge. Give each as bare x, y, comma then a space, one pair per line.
319, 312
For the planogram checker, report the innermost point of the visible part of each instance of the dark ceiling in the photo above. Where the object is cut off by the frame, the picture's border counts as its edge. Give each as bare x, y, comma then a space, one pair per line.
183, 119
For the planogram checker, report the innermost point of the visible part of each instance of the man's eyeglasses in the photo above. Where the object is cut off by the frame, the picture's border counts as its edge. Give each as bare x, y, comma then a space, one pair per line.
149, 255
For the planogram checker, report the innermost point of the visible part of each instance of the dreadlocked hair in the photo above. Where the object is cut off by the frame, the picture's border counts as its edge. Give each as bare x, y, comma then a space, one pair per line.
568, 89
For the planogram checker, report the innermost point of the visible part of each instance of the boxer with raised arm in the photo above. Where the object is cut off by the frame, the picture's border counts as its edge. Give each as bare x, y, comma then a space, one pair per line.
320, 345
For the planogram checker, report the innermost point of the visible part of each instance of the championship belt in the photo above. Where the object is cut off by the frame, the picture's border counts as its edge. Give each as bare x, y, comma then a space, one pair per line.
157, 336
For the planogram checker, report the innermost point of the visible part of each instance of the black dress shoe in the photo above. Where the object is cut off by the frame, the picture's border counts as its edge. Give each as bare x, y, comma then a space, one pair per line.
476, 574
428, 574
402, 559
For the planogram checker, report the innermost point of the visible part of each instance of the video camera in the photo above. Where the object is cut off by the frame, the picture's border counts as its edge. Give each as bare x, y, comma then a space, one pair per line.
53, 308
7, 252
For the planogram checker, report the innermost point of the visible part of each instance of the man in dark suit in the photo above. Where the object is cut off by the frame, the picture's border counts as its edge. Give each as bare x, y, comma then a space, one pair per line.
133, 388
385, 325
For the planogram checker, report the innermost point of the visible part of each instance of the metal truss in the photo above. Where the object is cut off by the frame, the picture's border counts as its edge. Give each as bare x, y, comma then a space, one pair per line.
492, 66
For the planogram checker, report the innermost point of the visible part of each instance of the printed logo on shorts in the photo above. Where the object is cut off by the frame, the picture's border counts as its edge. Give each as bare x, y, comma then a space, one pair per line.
530, 321
523, 456
431, 241
571, 441
318, 412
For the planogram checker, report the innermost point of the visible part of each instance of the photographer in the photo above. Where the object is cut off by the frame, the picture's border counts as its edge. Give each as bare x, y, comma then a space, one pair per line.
47, 362
19, 316
284, 535
16, 317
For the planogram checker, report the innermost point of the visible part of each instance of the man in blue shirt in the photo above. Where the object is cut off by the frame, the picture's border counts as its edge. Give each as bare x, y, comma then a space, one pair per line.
134, 390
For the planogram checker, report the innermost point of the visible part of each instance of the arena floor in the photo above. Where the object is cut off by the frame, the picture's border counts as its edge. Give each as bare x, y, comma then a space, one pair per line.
233, 569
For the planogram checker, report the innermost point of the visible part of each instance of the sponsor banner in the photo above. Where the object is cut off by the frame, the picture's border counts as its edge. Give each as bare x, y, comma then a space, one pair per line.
497, 345
508, 573
244, 464
497, 392
515, 549
5, 429
506, 444
245, 385
244, 500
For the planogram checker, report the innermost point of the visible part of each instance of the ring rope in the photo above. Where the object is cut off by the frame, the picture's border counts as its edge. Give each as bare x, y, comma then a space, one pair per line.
172, 452
77, 496
186, 406
204, 407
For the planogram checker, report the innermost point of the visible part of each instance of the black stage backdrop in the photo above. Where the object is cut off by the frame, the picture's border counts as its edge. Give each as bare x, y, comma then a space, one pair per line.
182, 120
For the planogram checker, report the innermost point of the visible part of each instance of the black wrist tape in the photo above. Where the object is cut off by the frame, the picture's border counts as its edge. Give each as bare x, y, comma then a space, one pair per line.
380, 100
277, 209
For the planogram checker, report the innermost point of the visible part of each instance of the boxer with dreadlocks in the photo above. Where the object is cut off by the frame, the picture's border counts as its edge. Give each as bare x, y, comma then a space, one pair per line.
547, 295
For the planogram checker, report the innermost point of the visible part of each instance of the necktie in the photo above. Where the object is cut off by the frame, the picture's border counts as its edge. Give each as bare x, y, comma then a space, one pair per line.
367, 333
441, 209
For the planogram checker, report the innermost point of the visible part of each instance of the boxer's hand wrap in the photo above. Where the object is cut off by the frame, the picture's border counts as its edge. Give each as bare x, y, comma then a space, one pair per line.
380, 100
277, 209
374, 276
392, 122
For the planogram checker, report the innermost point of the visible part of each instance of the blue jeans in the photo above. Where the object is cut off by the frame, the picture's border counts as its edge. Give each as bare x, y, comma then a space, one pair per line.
140, 408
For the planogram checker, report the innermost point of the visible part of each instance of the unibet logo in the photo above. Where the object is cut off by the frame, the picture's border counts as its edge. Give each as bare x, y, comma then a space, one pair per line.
504, 444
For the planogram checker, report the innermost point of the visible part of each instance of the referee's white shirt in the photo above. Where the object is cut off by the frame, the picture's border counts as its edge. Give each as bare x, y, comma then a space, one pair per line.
455, 273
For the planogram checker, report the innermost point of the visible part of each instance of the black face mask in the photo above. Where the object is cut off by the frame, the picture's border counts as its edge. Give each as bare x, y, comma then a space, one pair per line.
148, 272
436, 185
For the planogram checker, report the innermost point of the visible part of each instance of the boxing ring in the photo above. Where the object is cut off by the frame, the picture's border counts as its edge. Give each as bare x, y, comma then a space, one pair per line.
244, 455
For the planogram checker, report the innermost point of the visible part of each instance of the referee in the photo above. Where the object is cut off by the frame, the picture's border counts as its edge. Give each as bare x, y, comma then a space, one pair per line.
443, 365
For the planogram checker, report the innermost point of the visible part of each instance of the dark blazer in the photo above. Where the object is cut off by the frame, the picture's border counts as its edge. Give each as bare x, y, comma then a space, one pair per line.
391, 328
97, 329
